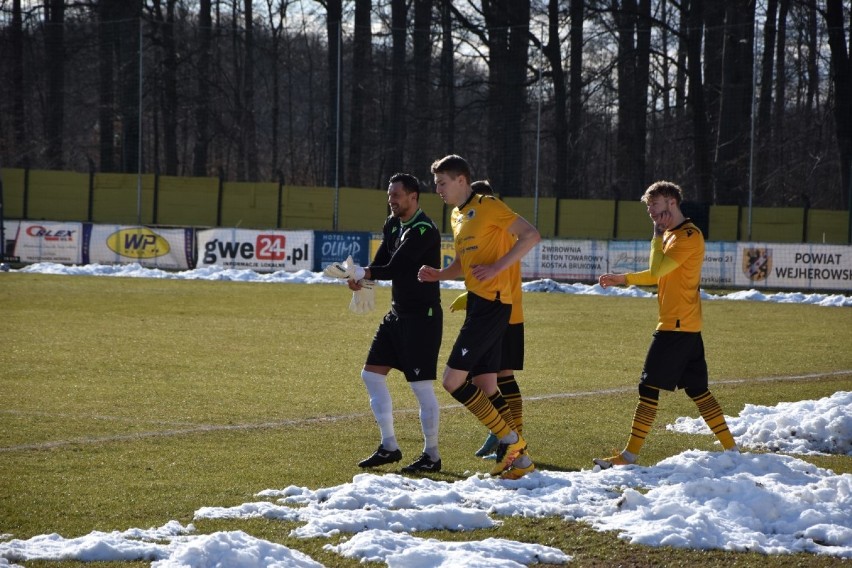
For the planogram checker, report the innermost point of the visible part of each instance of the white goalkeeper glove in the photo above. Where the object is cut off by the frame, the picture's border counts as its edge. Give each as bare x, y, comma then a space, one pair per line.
363, 300
346, 270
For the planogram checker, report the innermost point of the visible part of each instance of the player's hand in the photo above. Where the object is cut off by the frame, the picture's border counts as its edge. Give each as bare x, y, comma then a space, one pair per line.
347, 270
364, 298
459, 303
661, 222
427, 274
606, 280
483, 272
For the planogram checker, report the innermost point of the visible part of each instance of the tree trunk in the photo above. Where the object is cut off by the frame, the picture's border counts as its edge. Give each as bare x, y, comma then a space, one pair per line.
276, 27
107, 47
18, 108
448, 87
334, 20
781, 71
634, 32
202, 101
508, 23
553, 51
422, 52
396, 131
841, 67
682, 50
813, 69
732, 137
55, 53
764, 109
169, 100
361, 56
129, 18
778, 131
576, 157
764, 147
248, 108
697, 104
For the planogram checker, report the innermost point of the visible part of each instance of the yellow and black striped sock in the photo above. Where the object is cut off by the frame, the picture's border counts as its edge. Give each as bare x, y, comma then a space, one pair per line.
643, 418
475, 400
512, 393
712, 414
503, 408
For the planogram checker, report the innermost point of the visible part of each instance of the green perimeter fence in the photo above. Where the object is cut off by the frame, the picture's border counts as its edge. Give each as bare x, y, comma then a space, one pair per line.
150, 199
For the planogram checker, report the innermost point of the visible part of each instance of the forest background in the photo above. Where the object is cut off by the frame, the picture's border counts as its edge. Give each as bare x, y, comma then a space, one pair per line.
738, 101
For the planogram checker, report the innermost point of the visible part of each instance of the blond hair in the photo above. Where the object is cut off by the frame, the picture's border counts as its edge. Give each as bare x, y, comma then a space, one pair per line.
664, 188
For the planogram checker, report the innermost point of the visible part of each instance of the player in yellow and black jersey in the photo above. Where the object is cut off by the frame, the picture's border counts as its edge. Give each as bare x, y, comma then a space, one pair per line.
675, 358
512, 351
489, 239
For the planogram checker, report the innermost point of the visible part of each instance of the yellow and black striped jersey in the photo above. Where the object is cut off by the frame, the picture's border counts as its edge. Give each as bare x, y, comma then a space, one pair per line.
481, 237
675, 267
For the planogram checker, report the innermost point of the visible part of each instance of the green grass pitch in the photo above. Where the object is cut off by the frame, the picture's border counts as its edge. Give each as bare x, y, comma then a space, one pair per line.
130, 402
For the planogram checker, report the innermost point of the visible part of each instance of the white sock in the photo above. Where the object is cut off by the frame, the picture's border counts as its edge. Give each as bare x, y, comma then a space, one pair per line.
429, 415
509, 438
382, 406
522, 461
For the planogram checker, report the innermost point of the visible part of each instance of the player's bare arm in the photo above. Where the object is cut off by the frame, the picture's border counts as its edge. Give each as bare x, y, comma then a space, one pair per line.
432, 274
607, 280
528, 236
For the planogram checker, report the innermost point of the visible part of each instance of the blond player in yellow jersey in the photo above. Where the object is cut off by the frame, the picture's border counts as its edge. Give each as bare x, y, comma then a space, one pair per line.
675, 358
489, 238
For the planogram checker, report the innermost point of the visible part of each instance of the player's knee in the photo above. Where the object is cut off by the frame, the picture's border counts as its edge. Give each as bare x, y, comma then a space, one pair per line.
372, 377
453, 379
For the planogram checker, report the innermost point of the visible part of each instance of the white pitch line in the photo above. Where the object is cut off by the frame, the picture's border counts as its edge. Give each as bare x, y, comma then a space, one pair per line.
204, 428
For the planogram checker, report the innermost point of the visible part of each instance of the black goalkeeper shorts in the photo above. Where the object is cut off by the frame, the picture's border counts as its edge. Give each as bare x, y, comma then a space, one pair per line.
409, 344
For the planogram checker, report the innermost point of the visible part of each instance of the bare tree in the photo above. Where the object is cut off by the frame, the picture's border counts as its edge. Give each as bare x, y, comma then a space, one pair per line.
128, 15
732, 133
697, 102
566, 183
333, 23
248, 138
633, 24
168, 100
361, 57
421, 111
841, 67
507, 25
54, 124
17, 55
396, 128
276, 11
447, 74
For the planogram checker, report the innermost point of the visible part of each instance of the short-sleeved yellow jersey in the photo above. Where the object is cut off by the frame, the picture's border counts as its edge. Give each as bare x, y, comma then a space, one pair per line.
481, 237
675, 266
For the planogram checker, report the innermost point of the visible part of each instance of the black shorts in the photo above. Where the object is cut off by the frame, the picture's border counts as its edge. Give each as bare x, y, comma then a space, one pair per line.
409, 344
512, 353
479, 345
675, 360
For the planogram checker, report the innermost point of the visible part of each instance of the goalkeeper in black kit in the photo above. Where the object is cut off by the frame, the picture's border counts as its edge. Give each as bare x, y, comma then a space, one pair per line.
409, 336
675, 358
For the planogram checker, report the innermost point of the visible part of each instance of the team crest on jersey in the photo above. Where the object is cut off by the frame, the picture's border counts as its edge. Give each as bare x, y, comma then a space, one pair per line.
757, 262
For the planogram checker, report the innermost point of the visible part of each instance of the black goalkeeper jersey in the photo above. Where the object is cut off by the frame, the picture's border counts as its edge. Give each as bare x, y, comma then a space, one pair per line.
405, 248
